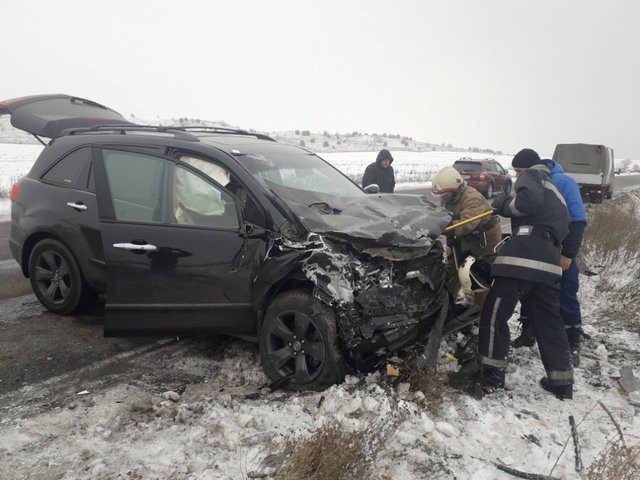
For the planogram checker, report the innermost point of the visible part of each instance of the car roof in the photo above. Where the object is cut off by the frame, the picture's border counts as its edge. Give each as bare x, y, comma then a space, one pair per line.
235, 143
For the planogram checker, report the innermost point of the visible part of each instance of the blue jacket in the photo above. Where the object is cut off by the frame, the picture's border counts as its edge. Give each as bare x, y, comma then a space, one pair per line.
569, 190
571, 193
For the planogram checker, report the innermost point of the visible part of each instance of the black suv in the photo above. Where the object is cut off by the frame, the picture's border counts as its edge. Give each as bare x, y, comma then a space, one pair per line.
222, 231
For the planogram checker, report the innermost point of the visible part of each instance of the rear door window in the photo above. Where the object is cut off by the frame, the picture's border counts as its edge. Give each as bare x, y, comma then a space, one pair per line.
67, 171
137, 183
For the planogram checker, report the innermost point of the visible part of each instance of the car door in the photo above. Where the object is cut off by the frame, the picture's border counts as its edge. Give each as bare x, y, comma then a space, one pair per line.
67, 204
173, 246
498, 180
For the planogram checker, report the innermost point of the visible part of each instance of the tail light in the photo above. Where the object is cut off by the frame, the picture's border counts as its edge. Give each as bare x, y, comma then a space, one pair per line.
15, 191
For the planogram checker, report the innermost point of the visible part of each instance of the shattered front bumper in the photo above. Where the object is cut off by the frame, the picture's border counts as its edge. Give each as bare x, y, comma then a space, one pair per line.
382, 305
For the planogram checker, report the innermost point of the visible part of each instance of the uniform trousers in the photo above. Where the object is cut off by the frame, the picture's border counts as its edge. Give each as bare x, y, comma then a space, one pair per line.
542, 300
569, 303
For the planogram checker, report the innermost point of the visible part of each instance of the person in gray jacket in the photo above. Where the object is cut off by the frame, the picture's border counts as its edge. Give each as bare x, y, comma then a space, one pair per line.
527, 268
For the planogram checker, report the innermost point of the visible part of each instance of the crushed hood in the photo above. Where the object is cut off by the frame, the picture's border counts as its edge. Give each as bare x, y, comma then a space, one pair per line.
369, 221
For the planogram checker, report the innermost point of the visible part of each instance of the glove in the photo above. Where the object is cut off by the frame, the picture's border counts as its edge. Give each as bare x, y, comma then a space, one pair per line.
501, 202
451, 237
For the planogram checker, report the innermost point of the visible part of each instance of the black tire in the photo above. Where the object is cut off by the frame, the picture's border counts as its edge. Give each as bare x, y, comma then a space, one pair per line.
56, 278
507, 188
490, 191
294, 321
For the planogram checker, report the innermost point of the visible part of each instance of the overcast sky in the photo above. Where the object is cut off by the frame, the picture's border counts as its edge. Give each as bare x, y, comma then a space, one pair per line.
503, 74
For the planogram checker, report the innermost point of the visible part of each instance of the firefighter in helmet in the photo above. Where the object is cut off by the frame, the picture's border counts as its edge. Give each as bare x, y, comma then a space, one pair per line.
476, 239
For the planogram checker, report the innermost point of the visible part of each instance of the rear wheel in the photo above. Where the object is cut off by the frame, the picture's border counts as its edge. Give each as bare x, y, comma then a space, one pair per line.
507, 188
56, 278
298, 343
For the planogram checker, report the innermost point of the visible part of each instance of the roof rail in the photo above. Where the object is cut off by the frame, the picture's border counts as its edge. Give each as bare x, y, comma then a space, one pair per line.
178, 132
230, 131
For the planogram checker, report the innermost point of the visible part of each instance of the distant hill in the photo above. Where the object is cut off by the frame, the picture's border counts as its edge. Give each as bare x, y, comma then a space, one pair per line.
316, 141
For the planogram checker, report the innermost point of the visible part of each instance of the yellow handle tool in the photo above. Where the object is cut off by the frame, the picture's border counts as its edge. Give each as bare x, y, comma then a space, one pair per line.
469, 220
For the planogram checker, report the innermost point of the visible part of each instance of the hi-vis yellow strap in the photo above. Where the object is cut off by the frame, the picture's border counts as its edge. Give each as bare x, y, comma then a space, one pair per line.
469, 220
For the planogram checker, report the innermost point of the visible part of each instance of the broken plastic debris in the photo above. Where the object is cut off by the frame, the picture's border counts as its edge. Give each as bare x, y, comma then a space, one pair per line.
392, 371
451, 357
171, 395
83, 392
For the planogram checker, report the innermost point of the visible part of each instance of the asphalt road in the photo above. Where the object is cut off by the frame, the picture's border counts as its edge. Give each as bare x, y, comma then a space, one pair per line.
36, 345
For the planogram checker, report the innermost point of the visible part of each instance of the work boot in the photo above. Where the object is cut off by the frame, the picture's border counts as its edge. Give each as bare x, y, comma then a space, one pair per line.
476, 381
527, 338
575, 343
464, 378
562, 392
491, 379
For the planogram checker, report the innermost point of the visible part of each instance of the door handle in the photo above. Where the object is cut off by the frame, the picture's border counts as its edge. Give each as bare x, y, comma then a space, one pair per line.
132, 246
77, 206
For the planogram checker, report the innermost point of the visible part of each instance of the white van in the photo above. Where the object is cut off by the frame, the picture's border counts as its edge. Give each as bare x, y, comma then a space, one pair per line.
592, 166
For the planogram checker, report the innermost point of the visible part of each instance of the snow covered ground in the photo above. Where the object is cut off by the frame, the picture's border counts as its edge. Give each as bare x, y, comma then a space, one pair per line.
197, 409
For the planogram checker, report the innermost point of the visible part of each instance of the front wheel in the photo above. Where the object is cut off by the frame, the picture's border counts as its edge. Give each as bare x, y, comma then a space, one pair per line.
56, 278
298, 343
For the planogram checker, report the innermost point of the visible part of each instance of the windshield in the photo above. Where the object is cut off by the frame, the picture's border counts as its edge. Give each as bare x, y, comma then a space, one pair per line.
297, 170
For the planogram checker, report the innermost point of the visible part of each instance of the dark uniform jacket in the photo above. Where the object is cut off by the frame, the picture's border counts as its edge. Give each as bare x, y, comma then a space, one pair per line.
539, 224
478, 237
383, 177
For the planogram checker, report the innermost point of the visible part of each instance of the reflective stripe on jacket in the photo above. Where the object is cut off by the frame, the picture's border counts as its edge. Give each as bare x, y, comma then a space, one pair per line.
539, 223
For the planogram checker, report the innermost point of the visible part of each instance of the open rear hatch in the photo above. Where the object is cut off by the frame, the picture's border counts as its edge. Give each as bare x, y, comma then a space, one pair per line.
50, 115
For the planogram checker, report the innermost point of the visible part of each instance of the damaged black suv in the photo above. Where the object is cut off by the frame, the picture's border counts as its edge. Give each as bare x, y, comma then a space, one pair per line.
223, 231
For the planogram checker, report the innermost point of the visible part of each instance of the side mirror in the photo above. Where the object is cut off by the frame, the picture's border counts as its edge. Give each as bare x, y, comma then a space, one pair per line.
373, 188
250, 230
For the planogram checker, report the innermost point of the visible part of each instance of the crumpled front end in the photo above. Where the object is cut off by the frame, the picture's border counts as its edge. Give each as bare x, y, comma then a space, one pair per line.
384, 298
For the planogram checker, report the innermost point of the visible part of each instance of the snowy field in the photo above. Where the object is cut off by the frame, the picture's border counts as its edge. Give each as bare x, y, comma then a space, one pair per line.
15, 162
412, 169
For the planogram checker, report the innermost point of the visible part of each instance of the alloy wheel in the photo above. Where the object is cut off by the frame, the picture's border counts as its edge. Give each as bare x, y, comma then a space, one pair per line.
295, 347
52, 277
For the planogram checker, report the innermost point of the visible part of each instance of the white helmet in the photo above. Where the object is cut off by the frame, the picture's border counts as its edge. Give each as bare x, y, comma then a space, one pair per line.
470, 277
447, 179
